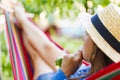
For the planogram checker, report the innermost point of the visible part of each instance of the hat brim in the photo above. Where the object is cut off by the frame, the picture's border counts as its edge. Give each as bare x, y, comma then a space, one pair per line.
85, 20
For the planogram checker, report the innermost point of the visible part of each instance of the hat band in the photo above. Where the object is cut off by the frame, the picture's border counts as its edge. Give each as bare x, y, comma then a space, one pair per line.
105, 33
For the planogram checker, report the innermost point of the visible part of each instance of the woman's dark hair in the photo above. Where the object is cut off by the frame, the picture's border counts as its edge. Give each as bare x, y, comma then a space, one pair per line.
99, 61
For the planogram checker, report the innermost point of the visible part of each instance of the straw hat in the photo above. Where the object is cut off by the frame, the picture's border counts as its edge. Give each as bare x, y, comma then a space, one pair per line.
104, 29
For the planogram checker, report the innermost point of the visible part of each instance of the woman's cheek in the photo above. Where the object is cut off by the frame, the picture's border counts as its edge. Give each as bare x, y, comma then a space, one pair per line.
86, 55
87, 51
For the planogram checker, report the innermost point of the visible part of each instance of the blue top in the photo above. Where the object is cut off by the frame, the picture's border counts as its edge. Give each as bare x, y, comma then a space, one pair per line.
59, 75
82, 71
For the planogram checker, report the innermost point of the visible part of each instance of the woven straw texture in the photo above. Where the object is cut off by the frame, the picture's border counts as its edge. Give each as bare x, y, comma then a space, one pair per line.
110, 17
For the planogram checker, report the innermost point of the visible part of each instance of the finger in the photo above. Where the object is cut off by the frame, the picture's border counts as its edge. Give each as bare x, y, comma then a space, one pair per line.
72, 56
78, 56
66, 56
63, 53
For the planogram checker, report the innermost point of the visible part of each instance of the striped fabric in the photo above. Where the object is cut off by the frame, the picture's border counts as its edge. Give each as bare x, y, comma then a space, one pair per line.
21, 66
112, 72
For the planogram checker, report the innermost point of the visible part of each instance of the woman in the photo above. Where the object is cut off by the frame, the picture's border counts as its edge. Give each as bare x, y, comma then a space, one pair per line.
39, 48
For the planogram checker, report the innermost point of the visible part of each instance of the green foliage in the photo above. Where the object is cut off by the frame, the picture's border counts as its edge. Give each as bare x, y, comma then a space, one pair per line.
59, 62
65, 6
101, 2
6, 65
37, 6
70, 44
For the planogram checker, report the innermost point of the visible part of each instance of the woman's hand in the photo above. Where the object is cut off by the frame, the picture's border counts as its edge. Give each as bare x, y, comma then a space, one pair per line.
71, 63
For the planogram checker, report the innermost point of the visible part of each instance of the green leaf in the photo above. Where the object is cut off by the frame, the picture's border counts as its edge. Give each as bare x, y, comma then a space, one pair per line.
59, 62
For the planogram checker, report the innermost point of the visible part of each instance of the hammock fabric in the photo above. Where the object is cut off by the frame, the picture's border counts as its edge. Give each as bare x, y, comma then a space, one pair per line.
18, 56
22, 67
112, 72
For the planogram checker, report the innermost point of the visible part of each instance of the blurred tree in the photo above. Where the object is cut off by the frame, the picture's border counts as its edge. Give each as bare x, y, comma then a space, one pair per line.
6, 65
65, 6
101, 2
